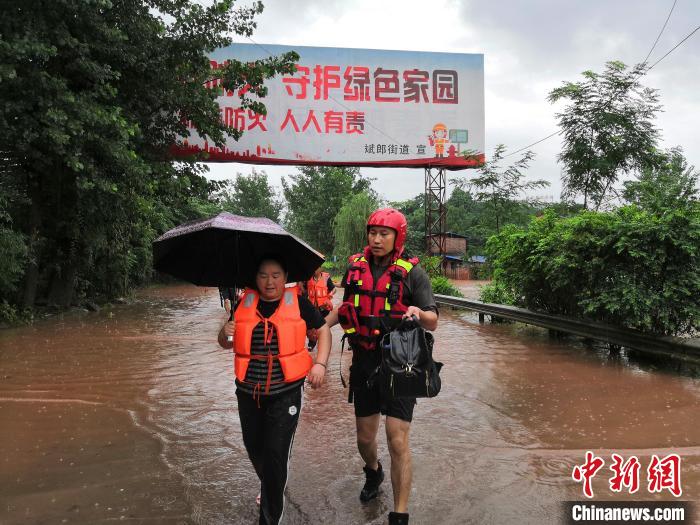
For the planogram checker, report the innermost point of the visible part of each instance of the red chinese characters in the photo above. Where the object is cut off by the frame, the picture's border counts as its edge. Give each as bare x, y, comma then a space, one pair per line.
360, 84
325, 78
445, 86
665, 474
242, 119
333, 122
587, 472
386, 85
626, 474
300, 83
357, 83
415, 86
662, 474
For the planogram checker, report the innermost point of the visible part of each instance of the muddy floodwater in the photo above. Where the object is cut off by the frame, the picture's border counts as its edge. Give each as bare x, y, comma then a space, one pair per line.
129, 415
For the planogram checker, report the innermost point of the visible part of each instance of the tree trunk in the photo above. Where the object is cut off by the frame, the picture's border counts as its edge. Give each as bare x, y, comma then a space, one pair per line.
62, 286
31, 277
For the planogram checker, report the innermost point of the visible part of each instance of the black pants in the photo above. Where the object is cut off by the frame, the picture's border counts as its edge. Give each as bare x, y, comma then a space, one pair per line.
268, 434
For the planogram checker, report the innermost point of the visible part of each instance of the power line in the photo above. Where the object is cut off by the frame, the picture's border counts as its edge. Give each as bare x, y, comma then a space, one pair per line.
641, 74
673, 49
660, 32
533, 144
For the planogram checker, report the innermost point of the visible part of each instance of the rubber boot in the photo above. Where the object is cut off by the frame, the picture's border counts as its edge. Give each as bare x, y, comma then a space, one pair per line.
398, 518
373, 478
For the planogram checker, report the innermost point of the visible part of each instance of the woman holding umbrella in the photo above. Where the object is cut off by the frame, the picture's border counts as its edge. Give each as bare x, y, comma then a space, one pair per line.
268, 335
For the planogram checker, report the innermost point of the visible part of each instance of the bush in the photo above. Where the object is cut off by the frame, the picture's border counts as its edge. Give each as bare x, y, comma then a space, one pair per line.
11, 314
630, 267
442, 285
481, 272
497, 293
432, 264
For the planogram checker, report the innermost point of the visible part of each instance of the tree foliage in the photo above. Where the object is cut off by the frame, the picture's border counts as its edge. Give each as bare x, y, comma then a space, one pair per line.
631, 267
350, 224
502, 189
252, 196
608, 130
93, 95
668, 184
414, 211
314, 197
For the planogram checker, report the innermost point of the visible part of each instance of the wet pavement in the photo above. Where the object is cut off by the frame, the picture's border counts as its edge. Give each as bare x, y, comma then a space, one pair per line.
130, 415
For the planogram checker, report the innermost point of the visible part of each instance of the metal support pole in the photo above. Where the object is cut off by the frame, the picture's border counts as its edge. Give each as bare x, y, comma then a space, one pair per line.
435, 211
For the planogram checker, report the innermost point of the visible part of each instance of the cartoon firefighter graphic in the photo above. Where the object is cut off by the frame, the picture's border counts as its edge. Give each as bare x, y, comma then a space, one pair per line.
439, 139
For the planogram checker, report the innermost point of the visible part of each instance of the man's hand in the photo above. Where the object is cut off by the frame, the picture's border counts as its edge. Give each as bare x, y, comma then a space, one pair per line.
413, 311
426, 318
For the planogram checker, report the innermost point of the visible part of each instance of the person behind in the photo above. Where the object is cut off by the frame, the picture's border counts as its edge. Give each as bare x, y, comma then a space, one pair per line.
268, 335
320, 291
383, 285
229, 297
226, 296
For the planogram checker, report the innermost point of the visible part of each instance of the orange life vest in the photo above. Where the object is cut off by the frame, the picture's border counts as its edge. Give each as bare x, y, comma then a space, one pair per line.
318, 292
286, 321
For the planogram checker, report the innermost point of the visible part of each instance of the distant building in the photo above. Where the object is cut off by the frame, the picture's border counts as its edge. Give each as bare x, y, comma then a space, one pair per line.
455, 245
455, 251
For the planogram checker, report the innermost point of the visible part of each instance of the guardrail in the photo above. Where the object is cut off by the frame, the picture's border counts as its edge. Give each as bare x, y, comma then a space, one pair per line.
613, 335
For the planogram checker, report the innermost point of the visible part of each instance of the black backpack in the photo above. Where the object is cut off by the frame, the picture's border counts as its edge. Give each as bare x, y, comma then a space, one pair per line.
407, 368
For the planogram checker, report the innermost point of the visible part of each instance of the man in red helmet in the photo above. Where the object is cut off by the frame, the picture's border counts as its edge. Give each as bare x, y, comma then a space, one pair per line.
382, 286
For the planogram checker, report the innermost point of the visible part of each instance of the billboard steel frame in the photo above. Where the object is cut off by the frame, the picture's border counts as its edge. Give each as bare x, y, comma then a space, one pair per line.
435, 210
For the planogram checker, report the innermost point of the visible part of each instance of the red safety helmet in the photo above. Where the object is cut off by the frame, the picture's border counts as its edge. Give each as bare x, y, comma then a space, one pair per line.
394, 219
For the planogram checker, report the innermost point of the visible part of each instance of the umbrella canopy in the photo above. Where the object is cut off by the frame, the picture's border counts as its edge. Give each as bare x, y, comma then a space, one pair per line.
223, 250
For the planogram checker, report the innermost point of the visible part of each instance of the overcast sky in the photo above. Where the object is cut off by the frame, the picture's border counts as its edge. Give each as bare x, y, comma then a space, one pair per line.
529, 47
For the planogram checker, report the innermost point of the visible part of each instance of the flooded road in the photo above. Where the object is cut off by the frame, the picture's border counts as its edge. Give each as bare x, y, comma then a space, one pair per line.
129, 415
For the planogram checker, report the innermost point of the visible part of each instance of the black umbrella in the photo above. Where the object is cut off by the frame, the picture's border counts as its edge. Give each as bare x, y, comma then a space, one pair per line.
223, 250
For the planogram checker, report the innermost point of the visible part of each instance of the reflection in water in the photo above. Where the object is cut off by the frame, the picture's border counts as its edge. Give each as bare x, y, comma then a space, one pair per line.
131, 415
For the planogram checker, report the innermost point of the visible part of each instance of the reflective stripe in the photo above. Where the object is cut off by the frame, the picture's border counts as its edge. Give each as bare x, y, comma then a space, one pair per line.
357, 301
404, 264
350, 331
387, 306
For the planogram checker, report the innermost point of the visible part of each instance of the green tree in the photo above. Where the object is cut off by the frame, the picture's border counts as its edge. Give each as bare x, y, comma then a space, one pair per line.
414, 211
314, 197
630, 267
93, 96
350, 224
608, 129
252, 196
501, 188
669, 184
13, 249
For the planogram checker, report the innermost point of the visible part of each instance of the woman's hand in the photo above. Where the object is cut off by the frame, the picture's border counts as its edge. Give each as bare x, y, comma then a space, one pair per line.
226, 335
316, 375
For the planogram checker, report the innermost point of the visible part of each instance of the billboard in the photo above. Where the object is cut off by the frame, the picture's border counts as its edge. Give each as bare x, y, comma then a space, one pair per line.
356, 107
